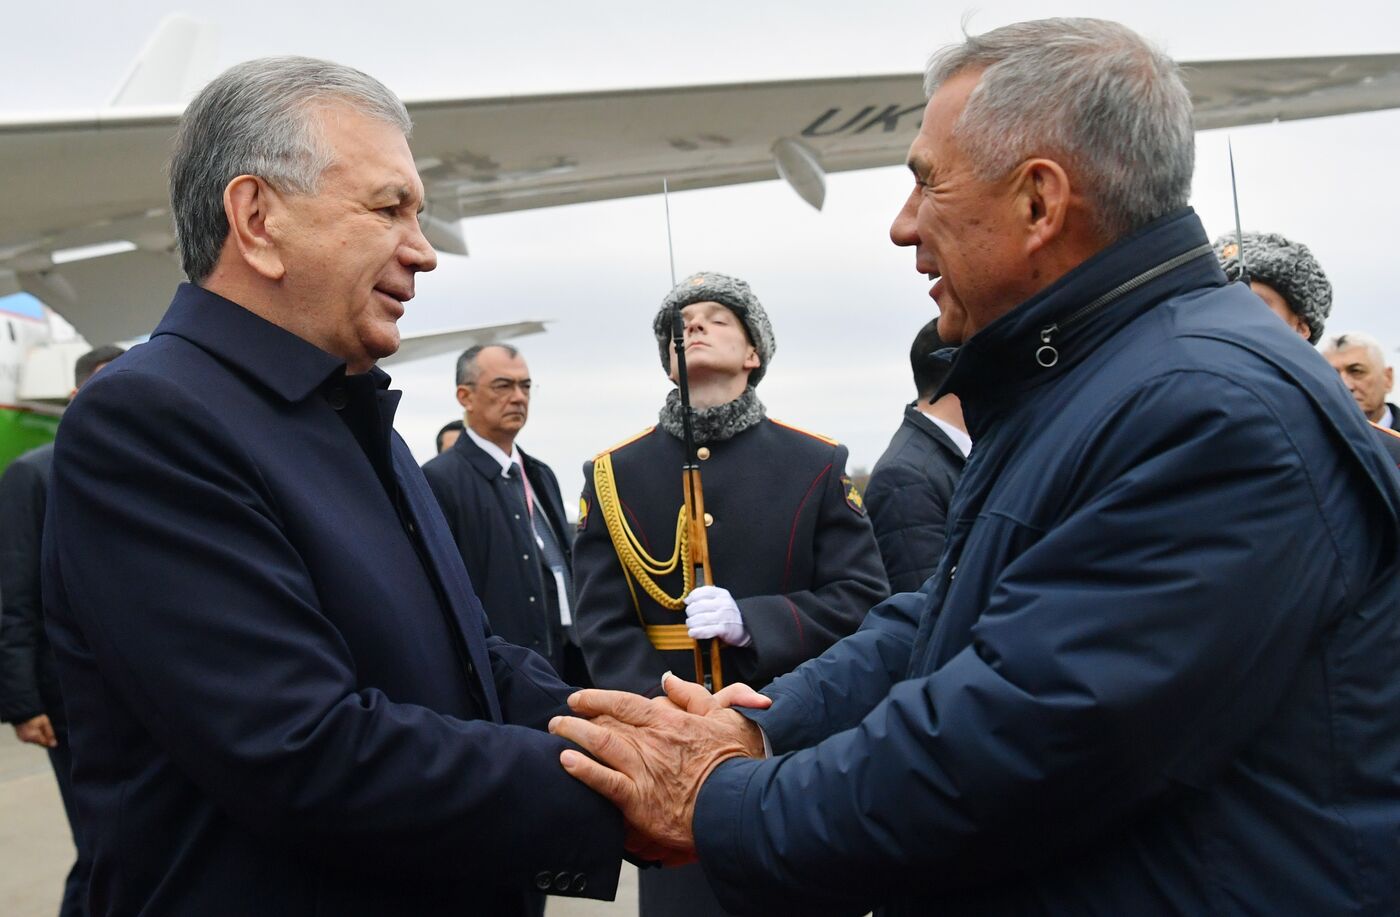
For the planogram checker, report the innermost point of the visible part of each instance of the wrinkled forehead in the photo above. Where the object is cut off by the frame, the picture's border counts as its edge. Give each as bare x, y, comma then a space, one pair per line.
1353, 354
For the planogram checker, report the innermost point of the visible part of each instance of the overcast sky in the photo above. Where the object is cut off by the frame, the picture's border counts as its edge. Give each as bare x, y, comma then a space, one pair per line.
844, 302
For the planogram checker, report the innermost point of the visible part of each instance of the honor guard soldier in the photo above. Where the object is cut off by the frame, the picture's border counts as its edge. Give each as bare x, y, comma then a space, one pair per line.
795, 563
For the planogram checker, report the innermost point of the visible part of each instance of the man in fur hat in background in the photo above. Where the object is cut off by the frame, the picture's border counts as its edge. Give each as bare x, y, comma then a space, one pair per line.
1286, 276
795, 563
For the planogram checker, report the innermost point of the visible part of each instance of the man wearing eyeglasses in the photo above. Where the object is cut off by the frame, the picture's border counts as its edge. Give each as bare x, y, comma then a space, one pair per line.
505, 512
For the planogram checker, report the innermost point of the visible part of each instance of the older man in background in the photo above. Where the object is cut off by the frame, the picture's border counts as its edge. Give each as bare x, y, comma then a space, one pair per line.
1360, 360
506, 514
282, 694
1154, 672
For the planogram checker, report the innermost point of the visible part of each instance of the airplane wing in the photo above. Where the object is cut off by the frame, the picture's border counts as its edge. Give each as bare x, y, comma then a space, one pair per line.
430, 344
1232, 93
74, 181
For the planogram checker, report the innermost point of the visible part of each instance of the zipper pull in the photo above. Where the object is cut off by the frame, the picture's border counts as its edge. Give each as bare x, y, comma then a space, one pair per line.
1046, 355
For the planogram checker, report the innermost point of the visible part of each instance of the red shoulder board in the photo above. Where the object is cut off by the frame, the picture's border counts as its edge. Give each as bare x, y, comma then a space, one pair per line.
1386, 430
626, 442
787, 426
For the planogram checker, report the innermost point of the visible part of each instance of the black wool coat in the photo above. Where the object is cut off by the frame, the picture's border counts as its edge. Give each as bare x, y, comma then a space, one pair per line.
283, 698
492, 532
28, 679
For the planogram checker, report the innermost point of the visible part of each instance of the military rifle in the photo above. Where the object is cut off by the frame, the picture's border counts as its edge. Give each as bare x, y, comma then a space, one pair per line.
708, 671
1239, 233
707, 664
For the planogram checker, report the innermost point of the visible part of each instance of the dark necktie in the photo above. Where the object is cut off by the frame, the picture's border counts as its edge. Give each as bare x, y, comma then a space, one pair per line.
550, 550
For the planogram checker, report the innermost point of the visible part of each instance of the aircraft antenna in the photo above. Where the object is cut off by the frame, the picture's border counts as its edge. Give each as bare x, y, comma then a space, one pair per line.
1239, 233
670, 248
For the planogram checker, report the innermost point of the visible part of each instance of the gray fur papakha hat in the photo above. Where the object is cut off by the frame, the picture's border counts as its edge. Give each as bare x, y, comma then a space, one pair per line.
1287, 266
730, 292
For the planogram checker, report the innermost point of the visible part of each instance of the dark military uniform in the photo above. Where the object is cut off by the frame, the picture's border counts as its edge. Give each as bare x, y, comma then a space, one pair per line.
790, 540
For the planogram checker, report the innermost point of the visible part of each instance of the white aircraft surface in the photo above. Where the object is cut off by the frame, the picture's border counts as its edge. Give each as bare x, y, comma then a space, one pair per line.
86, 226
83, 184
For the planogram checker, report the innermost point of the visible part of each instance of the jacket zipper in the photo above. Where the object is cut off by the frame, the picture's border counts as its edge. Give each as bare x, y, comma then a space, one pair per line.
1047, 356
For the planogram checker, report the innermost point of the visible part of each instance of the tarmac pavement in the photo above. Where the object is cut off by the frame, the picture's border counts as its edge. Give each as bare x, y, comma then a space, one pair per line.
36, 849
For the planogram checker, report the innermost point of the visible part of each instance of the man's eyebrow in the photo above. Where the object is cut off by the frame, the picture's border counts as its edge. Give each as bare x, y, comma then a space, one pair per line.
401, 193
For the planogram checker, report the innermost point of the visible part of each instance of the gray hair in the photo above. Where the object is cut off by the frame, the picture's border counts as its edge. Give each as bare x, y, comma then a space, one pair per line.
467, 370
259, 118
1093, 94
1349, 339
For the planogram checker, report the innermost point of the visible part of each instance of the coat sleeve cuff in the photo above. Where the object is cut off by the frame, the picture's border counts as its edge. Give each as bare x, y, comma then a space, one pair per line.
20, 710
717, 826
782, 724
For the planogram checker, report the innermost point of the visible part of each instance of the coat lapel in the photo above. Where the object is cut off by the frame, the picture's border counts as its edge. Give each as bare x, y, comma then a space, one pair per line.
919, 421
447, 567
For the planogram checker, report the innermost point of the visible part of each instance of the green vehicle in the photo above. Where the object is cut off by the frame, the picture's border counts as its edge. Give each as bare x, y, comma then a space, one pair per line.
25, 422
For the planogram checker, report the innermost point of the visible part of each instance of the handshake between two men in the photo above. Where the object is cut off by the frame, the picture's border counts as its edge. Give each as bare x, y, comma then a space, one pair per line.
651, 755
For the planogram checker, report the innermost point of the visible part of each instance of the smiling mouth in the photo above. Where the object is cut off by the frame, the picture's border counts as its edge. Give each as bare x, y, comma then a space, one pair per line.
395, 296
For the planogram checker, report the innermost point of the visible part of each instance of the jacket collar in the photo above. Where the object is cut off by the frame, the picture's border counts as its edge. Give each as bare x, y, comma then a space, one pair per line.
925, 425
1000, 360
288, 365
493, 450
486, 464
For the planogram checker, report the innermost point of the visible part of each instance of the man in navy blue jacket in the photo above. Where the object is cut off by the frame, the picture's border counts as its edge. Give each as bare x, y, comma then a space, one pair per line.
1155, 671
282, 695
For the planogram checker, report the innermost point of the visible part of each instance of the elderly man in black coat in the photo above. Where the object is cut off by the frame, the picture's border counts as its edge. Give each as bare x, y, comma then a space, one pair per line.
505, 512
282, 693
912, 484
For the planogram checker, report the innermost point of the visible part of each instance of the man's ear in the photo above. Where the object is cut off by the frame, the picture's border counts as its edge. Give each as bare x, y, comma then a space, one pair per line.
464, 397
751, 360
1045, 198
249, 202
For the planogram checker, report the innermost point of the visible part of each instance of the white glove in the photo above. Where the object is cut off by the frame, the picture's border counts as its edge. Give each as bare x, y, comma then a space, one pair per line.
710, 612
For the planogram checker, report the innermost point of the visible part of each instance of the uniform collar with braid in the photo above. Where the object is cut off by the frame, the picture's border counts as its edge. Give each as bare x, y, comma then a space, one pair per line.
716, 424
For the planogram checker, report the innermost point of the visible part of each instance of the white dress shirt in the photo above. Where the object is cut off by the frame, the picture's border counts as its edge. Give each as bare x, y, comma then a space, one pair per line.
957, 435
